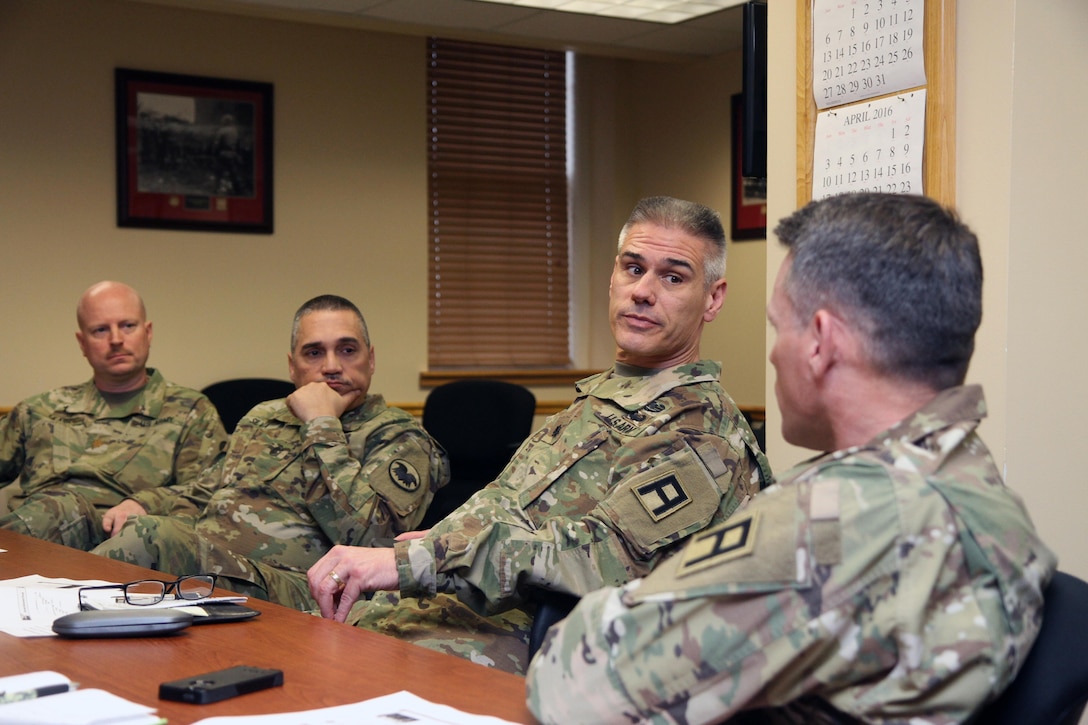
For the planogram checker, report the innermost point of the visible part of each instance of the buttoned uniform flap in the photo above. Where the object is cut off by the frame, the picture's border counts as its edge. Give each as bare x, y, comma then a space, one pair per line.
665, 503
763, 547
537, 467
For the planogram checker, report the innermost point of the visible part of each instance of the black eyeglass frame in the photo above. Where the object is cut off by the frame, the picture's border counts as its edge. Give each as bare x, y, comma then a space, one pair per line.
167, 587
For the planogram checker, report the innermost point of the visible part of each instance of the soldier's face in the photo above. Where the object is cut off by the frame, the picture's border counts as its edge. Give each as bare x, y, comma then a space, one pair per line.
658, 298
330, 349
114, 336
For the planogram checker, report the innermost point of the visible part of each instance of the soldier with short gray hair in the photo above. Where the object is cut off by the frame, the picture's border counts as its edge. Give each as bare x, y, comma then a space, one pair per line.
329, 464
895, 578
651, 451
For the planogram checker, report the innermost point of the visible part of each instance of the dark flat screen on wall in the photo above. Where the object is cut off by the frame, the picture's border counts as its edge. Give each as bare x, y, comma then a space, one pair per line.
754, 65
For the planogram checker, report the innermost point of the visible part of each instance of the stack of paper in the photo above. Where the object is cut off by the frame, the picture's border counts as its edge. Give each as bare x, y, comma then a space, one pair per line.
50, 698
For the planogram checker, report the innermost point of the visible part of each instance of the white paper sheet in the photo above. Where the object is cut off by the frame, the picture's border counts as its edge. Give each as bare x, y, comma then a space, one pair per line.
78, 707
398, 708
871, 146
863, 49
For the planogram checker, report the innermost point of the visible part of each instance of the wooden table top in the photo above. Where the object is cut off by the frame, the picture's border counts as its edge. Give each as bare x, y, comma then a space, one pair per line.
324, 663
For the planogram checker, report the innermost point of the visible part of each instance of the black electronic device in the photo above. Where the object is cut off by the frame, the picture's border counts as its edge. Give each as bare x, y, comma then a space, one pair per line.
121, 623
754, 74
216, 612
220, 685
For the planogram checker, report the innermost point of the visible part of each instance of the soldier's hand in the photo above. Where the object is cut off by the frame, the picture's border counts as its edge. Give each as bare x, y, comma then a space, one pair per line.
316, 399
408, 535
343, 574
114, 519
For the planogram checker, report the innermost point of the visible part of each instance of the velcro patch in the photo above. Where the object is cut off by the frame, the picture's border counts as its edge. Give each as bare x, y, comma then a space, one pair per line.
663, 504
662, 497
731, 540
404, 475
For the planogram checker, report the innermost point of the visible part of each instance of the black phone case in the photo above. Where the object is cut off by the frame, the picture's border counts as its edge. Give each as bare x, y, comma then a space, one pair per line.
220, 685
121, 623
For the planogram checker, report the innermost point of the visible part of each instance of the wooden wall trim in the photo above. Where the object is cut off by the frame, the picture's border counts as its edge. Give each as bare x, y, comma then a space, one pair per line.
551, 407
434, 378
939, 156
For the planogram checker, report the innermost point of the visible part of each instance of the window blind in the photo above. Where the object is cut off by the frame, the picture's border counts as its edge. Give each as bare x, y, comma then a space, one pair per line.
498, 262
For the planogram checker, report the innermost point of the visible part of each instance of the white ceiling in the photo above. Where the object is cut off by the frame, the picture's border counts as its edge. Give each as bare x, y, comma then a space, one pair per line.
489, 22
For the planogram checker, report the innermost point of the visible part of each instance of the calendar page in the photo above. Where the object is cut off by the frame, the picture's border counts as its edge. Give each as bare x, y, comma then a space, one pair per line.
871, 146
865, 48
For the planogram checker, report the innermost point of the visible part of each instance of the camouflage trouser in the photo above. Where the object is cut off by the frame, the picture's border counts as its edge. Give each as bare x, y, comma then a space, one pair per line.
446, 625
176, 546
62, 516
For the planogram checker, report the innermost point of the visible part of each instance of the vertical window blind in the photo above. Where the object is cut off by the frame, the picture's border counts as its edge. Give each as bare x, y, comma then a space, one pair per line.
498, 262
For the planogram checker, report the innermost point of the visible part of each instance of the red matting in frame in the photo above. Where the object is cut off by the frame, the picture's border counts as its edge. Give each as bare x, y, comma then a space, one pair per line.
193, 152
748, 219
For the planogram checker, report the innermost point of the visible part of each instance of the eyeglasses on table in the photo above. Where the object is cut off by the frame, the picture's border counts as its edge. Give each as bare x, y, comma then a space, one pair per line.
145, 592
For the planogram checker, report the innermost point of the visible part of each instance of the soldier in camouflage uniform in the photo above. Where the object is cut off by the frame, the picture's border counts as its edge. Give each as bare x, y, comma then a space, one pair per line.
650, 452
894, 580
67, 456
330, 464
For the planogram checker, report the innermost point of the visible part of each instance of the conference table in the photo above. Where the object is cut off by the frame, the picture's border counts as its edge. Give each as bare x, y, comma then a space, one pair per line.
324, 663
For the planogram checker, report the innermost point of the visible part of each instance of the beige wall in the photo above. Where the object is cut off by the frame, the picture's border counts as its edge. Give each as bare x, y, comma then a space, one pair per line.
1020, 153
350, 186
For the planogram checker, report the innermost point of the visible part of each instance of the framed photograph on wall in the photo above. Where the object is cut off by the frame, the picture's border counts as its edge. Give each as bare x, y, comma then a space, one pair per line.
749, 194
193, 153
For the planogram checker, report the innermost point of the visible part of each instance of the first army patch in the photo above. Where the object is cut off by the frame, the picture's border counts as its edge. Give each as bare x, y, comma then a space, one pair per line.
731, 540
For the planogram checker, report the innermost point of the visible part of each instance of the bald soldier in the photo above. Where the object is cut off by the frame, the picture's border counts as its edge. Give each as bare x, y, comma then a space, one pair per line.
69, 455
895, 578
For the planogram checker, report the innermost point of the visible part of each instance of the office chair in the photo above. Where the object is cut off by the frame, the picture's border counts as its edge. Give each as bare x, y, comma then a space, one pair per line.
551, 607
480, 423
1052, 685
234, 398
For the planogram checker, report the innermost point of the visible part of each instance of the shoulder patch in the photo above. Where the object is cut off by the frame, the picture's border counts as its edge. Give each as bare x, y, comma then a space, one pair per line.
404, 475
664, 503
731, 540
663, 496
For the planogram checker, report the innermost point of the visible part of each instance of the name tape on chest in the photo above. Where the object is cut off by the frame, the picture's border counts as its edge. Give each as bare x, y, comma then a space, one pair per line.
731, 540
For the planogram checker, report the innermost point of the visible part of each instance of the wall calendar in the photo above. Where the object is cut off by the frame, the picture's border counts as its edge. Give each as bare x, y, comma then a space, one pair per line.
871, 146
865, 48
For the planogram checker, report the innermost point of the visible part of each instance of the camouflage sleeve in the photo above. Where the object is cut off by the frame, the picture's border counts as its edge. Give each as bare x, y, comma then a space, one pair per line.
201, 442
666, 487
12, 445
689, 643
841, 585
387, 493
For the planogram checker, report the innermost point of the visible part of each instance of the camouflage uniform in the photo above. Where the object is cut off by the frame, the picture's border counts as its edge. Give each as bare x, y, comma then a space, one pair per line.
898, 581
286, 492
73, 453
641, 460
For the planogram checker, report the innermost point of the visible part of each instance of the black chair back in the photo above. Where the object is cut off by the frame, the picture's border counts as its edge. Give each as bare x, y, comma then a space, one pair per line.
234, 398
1052, 685
480, 423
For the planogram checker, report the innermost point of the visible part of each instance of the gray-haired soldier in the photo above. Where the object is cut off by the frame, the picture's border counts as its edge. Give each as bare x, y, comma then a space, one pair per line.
651, 451
70, 455
330, 464
895, 579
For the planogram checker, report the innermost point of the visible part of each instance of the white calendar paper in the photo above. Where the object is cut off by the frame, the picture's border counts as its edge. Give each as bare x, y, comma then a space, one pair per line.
871, 146
865, 48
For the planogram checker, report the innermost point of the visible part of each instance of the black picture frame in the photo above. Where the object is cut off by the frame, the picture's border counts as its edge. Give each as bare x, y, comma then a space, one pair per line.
193, 153
748, 196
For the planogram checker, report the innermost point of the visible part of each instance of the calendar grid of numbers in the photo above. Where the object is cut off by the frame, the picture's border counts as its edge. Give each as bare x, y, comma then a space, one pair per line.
866, 139
865, 48
871, 146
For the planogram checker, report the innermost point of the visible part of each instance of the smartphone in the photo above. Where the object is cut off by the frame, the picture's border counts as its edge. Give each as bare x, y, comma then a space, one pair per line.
220, 685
